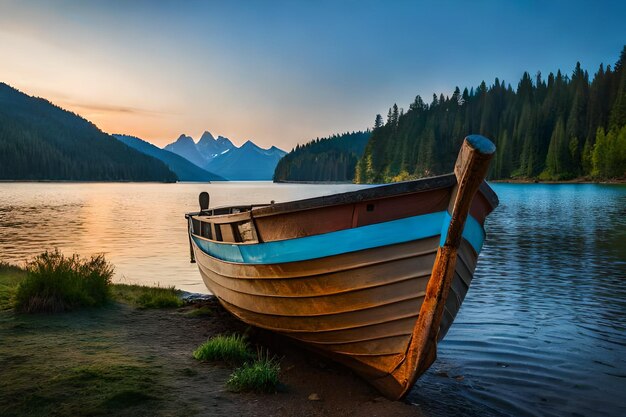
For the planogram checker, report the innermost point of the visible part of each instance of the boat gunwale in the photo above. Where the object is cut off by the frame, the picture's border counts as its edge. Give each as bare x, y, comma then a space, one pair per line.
366, 194
349, 197
193, 236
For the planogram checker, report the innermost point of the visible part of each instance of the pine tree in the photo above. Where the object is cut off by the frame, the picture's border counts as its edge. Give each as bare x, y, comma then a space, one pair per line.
586, 158
618, 111
558, 151
601, 155
395, 115
378, 122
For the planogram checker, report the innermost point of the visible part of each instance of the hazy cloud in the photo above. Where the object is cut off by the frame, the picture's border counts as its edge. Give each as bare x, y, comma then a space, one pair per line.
114, 108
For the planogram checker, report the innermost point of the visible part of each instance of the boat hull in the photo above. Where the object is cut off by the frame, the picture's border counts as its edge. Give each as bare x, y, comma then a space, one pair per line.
360, 308
372, 278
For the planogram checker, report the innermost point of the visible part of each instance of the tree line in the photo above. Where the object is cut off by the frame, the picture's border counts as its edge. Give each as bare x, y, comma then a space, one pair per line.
329, 159
555, 128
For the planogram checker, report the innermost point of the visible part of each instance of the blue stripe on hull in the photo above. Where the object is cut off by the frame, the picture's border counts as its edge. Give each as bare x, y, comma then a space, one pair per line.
343, 241
473, 232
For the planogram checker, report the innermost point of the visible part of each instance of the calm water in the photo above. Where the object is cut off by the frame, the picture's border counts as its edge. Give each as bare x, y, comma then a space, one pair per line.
141, 228
542, 331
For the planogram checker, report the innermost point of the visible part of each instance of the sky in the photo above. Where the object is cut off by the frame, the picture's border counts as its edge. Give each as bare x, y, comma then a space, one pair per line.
284, 72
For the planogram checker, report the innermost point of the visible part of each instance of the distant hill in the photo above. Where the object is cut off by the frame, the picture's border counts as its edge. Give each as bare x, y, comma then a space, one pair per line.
329, 159
184, 170
249, 162
41, 141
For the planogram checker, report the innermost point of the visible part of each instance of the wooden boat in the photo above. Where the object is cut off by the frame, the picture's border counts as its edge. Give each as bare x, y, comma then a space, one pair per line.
372, 278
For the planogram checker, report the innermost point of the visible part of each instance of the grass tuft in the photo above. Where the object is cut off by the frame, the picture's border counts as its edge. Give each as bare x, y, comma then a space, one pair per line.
56, 283
260, 376
10, 277
160, 298
148, 297
232, 349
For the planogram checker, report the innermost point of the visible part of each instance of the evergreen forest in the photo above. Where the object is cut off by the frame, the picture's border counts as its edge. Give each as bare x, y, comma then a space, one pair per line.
559, 127
40, 141
330, 159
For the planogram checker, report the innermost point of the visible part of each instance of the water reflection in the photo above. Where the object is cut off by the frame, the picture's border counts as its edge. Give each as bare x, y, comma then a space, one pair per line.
542, 330
140, 227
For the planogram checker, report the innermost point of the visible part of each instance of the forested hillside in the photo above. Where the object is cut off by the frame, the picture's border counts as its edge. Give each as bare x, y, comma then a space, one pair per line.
329, 159
554, 128
40, 141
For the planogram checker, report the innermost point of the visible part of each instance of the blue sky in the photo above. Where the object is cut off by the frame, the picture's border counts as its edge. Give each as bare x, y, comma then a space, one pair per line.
282, 72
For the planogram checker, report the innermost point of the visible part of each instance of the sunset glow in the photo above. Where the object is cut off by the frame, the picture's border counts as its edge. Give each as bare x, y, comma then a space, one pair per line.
284, 72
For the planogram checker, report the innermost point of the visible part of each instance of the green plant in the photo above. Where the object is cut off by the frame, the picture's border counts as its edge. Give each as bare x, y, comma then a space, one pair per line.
147, 297
160, 298
56, 283
10, 277
261, 375
232, 349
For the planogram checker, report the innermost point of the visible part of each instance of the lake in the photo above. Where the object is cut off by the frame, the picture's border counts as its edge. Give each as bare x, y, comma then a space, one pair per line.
542, 331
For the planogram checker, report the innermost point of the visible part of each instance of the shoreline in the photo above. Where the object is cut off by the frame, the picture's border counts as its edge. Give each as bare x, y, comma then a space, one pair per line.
619, 181
152, 351
582, 180
91, 182
124, 360
316, 182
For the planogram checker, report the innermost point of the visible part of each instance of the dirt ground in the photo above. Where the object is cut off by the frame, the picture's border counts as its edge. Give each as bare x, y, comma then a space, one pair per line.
157, 346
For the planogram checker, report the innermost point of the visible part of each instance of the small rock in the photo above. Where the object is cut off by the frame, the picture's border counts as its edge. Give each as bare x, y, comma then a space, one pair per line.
442, 374
459, 377
191, 297
314, 397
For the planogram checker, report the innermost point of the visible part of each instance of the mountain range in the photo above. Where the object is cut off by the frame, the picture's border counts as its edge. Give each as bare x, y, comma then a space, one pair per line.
184, 170
41, 141
248, 162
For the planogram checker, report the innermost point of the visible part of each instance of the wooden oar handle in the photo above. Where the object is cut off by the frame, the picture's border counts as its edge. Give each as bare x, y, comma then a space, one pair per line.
204, 199
470, 169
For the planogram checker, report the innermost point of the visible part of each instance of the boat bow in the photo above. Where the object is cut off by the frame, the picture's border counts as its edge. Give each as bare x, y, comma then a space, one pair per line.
470, 170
